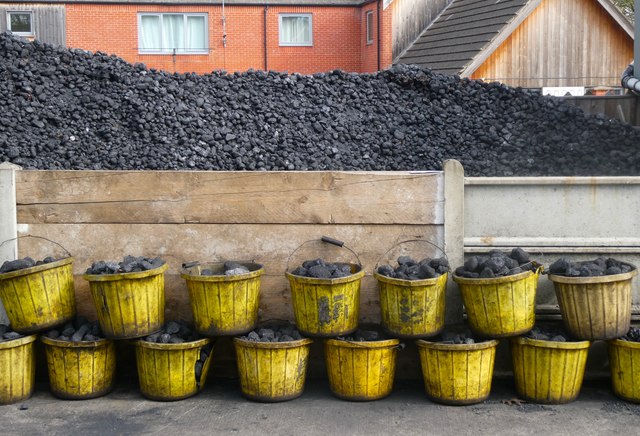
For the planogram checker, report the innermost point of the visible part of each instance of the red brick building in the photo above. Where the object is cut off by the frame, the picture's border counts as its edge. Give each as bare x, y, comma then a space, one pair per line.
304, 36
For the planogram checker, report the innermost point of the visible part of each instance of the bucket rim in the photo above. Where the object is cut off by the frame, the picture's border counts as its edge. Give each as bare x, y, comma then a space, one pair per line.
141, 343
124, 276
342, 343
495, 280
623, 344
5, 345
338, 280
60, 343
223, 278
410, 283
272, 345
37, 268
490, 343
597, 279
571, 345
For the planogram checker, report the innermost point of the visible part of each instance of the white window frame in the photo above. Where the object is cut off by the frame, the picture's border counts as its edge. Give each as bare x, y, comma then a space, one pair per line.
169, 51
32, 33
369, 28
295, 44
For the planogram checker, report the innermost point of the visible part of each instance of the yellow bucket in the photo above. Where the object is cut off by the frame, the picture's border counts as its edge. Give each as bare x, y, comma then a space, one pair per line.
595, 307
129, 305
224, 305
457, 374
39, 297
272, 371
624, 359
167, 372
17, 369
412, 308
326, 307
502, 306
361, 371
80, 370
548, 372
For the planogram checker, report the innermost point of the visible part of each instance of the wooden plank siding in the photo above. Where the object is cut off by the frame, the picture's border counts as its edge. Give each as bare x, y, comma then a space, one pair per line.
49, 20
562, 43
410, 18
204, 216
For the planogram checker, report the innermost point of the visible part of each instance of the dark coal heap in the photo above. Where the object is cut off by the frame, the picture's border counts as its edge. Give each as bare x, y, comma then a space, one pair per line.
77, 331
361, 335
27, 262
320, 269
410, 269
548, 334
71, 109
173, 333
274, 333
128, 264
589, 268
633, 335
6, 334
496, 264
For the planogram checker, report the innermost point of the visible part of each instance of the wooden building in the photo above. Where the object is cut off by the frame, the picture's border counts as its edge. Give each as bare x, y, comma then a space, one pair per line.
528, 43
44, 21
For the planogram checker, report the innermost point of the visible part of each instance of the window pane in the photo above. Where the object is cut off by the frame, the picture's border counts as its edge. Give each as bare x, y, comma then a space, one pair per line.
296, 30
20, 22
196, 34
369, 27
173, 32
150, 33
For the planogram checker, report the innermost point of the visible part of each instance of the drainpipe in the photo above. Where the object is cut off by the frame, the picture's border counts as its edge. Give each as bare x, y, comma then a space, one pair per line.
266, 56
379, 39
630, 80
636, 39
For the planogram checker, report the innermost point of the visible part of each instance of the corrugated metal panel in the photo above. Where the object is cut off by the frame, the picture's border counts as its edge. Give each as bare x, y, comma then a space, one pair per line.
48, 20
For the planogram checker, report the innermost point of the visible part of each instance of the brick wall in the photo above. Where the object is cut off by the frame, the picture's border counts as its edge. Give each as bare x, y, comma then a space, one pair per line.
339, 38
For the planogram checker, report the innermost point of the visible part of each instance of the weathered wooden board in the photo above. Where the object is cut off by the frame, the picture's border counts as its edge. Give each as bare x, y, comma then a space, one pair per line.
229, 197
271, 245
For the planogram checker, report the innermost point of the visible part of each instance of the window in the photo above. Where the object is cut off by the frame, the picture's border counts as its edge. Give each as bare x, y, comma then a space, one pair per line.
296, 29
20, 22
173, 33
369, 27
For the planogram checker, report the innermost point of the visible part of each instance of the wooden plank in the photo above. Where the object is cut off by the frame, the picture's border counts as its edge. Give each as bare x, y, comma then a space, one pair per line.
270, 244
229, 197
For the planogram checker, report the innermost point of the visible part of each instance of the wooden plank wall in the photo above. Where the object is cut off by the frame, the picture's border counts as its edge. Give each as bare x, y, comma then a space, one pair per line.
562, 43
411, 18
204, 216
49, 21
623, 107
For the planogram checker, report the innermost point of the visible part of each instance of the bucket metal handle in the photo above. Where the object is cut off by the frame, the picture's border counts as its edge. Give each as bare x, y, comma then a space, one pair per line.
411, 240
38, 237
328, 240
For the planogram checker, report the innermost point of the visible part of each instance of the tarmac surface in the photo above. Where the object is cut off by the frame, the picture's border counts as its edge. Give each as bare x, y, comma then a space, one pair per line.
221, 409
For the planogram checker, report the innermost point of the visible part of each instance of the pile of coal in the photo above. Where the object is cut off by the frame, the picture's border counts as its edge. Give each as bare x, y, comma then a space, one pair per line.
274, 333
205, 352
409, 269
589, 268
71, 109
128, 264
496, 264
364, 336
173, 333
79, 330
231, 268
319, 269
548, 334
633, 335
6, 334
457, 338
27, 262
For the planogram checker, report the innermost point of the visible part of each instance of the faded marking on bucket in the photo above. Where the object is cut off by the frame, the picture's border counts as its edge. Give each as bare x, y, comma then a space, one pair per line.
324, 314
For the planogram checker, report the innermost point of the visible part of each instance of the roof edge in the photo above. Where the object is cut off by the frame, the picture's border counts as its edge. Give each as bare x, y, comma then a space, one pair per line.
314, 3
617, 16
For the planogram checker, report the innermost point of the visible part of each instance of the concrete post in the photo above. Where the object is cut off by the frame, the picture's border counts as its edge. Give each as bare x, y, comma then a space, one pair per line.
453, 233
8, 220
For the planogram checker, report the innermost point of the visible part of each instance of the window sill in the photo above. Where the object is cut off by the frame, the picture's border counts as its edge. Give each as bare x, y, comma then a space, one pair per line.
296, 45
168, 53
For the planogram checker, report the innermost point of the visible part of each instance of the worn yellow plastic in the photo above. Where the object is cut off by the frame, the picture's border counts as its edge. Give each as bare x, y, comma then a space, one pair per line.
502, 306
272, 371
224, 305
129, 305
39, 297
80, 370
326, 307
17, 369
624, 360
167, 372
548, 372
361, 371
457, 374
595, 307
412, 308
